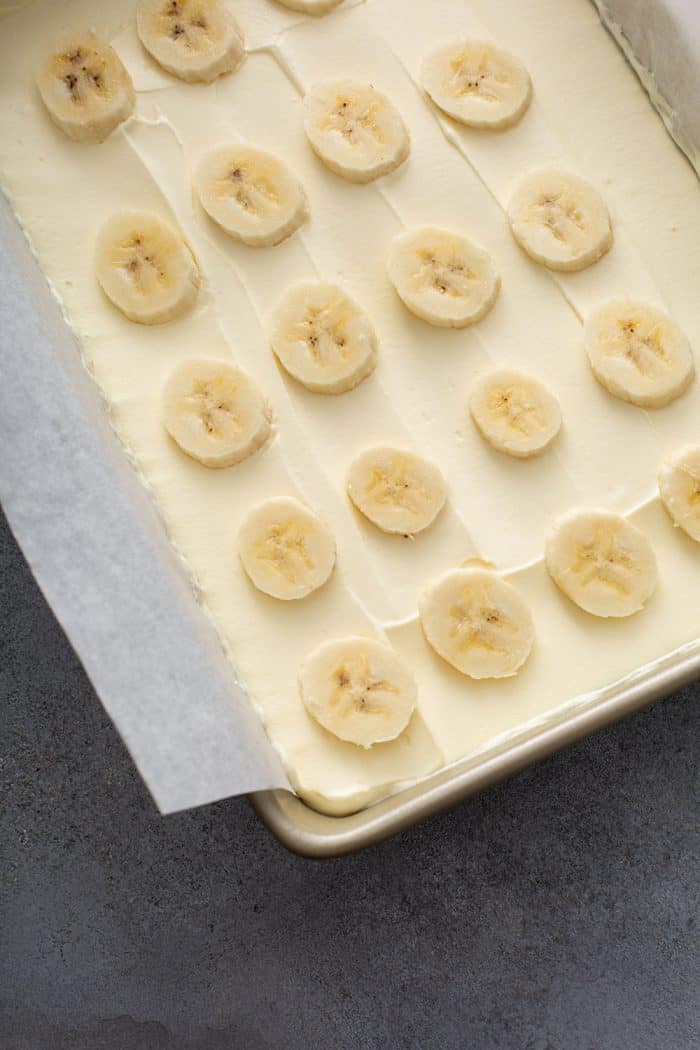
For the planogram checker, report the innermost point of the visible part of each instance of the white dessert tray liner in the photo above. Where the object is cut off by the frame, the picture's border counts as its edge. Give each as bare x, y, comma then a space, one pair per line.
93, 539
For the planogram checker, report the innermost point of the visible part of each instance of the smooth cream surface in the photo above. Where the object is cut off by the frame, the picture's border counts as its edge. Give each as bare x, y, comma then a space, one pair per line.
589, 115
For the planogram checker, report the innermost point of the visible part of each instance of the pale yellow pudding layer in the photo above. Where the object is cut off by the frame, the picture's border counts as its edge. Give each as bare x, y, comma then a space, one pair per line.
589, 115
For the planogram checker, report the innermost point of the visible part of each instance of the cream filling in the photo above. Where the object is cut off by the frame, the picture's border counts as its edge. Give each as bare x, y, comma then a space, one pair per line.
589, 114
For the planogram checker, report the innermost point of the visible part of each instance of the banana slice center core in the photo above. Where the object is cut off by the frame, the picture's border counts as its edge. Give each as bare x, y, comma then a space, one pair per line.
253, 194
141, 266
358, 689
645, 352
354, 120
561, 216
284, 549
692, 480
323, 332
191, 31
471, 77
214, 410
83, 74
519, 411
397, 488
603, 560
448, 277
476, 623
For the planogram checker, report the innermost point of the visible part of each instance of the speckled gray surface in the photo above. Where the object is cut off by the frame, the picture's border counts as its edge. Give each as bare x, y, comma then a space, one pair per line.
556, 912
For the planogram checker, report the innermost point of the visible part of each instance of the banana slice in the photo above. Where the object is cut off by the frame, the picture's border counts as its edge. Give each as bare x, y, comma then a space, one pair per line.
601, 562
560, 220
85, 87
195, 40
251, 194
443, 278
478, 84
638, 353
323, 338
215, 412
477, 622
679, 484
145, 267
516, 413
359, 690
355, 130
310, 7
285, 549
397, 491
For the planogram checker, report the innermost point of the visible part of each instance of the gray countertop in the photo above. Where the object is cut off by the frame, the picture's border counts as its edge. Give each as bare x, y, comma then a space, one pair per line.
558, 911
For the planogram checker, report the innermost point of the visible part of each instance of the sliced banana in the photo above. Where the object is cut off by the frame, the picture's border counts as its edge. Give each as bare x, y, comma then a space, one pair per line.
285, 549
251, 194
442, 277
196, 40
85, 87
310, 7
560, 220
601, 562
396, 490
477, 622
638, 353
516, 413
679, 485
359, 690
323, 338
215, 412
355, 130
145, 267
478, 84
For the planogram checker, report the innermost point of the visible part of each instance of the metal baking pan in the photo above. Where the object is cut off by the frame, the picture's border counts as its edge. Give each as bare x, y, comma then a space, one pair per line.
317, 835
311, 834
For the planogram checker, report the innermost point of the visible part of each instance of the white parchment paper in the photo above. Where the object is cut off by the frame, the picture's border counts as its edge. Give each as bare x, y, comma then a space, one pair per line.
99, 552
661, 39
